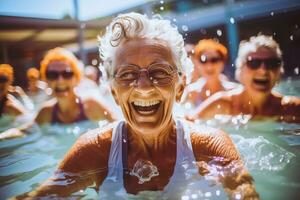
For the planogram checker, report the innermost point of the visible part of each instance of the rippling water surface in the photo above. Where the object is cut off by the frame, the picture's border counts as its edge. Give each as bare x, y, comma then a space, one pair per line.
271, 151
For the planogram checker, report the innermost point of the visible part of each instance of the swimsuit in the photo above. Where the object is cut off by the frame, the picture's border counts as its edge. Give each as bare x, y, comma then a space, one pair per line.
185, 175
81, 117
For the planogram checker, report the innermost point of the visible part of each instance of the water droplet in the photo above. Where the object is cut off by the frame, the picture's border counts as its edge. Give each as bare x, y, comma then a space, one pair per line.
296, 26
207, 194
174, 20
161, 2
194, 196
232, 20
218, 192
296, 70
219, 32
207, 93
272, 13
94, 62
292, 37
185, 197
238, 196
161, 8
274, 33
184, 27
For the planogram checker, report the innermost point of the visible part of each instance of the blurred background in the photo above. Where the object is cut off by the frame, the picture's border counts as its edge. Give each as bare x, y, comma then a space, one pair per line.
28, 28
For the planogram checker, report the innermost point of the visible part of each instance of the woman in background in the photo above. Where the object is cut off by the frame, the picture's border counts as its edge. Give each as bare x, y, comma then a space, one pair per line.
8, 104
259, 64
209, 60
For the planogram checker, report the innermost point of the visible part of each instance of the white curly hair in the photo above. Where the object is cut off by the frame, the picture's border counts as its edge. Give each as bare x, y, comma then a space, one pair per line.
134, 25
251, 45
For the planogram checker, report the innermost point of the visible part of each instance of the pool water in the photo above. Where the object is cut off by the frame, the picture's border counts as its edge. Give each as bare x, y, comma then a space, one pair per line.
271, 151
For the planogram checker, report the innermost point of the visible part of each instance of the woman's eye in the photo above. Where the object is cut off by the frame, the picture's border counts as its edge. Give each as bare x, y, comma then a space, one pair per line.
128, 75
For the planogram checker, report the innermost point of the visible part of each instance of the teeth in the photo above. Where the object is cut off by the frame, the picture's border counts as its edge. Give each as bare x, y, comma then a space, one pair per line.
145, 103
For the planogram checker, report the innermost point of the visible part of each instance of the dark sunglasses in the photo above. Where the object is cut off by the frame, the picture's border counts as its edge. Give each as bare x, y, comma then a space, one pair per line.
212, 60
3, 79
270, 63
53, 75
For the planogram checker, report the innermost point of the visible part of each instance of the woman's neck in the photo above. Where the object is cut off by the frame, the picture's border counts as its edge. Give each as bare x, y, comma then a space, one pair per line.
153, 140
67, 104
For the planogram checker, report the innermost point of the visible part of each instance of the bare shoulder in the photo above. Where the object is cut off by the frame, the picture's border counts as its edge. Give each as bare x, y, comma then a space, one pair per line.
45, 113
219, 103
91, 151
97, 110
209, 142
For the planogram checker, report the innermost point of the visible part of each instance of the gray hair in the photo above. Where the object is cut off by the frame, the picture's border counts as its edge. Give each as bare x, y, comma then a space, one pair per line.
251, 45
134, 25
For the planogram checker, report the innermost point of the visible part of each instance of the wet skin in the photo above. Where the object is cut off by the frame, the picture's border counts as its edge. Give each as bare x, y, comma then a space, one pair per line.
256, 98
151, 135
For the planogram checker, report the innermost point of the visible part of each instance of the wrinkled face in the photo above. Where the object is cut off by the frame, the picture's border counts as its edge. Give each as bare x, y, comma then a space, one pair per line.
4, 85
146, 105
61, 79
262, 79
210, 64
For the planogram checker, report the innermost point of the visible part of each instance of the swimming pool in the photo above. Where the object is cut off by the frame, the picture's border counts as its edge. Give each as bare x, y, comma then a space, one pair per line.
271, 152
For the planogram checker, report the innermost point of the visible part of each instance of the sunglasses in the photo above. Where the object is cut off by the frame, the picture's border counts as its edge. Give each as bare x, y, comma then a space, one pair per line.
54, 75
159, 74
213, 60
270, 63
3, 79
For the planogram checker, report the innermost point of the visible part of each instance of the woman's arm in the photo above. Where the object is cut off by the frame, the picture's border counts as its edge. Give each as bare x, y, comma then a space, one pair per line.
217, 156
84, 165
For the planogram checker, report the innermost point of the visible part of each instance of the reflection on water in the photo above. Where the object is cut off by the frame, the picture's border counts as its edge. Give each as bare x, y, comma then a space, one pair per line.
271, 151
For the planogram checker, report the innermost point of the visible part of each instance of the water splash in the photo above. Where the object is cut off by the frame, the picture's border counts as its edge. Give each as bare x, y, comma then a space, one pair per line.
219, 32
260, 154
185, 28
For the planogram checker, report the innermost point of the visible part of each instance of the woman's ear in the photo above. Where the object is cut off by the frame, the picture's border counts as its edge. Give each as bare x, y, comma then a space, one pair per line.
180, 86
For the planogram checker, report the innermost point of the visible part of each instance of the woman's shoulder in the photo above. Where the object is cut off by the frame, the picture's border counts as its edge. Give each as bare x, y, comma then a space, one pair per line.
212, 142
91, 150
45, 113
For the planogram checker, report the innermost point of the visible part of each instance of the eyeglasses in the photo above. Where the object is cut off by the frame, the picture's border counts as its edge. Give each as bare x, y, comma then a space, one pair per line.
270, 63
53, 75
160, 74
203, 59
3, 79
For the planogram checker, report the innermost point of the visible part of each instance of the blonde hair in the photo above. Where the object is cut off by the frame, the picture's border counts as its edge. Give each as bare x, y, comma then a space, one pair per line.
252, 45
33, 72
7, 70
134, 25
60, 54
210, 44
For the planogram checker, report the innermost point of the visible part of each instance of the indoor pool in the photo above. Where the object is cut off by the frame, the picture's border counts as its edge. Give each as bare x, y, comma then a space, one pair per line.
270, 150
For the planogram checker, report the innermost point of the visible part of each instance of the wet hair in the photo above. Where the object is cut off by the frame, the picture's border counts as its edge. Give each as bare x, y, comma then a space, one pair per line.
210, 44
134, 25
7, 70
60, 54
33, 72
252, 45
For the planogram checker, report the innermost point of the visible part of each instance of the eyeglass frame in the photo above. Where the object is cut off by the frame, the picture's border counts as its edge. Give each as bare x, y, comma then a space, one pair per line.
134, 82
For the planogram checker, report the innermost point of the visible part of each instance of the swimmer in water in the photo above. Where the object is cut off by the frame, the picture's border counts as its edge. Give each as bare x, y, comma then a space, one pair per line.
8, 104
259, 64
209, 59
59, 68
147, 65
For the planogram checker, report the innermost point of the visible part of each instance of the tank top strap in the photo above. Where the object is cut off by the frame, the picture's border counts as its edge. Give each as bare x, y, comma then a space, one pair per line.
113, 186
54, 116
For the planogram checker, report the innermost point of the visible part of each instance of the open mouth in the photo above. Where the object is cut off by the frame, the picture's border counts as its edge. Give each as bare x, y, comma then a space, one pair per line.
261, 82
61, 89
146, 107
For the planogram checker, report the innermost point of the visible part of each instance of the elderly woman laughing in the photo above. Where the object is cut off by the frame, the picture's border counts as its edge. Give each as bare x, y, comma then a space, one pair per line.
150, 150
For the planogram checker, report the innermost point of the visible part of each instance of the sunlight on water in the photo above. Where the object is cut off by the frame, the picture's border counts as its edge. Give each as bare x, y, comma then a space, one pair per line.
269, 149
